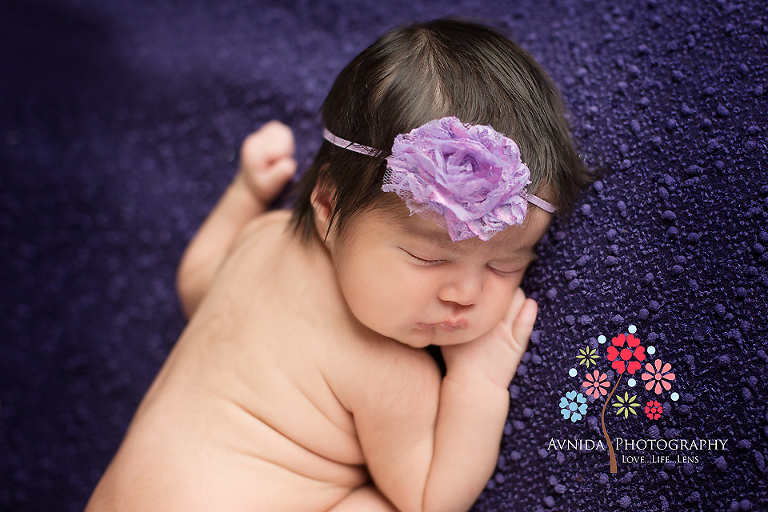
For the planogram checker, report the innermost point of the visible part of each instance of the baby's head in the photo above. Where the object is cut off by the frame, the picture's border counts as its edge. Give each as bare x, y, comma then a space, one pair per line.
426, 278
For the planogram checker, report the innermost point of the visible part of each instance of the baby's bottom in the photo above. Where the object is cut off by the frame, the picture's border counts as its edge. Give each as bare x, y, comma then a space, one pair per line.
364, 499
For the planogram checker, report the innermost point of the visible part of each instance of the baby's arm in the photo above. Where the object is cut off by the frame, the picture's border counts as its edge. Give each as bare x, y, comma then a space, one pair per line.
266, 165
474, 403
425, 457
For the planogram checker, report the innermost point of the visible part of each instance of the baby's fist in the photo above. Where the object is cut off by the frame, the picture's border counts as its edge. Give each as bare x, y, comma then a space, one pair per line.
266, 160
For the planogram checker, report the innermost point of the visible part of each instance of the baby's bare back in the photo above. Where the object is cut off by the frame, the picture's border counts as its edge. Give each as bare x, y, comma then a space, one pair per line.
244, 414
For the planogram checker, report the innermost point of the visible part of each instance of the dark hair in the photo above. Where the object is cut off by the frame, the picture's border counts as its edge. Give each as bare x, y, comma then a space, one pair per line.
425, 71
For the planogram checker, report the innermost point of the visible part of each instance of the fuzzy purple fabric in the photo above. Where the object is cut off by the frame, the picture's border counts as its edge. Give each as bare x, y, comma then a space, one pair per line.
119, 129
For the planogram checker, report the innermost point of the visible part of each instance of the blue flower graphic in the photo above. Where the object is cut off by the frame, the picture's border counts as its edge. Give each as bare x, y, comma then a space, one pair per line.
573, 405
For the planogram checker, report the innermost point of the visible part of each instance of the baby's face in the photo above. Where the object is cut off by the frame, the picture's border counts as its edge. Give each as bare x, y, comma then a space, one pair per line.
403, 277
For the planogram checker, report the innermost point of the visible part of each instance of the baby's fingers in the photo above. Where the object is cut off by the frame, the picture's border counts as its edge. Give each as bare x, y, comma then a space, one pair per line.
514, 309
523, 324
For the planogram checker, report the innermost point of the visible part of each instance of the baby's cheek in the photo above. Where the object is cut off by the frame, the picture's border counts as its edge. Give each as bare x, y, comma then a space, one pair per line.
504, 294
401, 298
381, 304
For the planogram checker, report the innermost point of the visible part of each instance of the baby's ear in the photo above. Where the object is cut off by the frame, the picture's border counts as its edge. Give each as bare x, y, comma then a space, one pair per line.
322, 207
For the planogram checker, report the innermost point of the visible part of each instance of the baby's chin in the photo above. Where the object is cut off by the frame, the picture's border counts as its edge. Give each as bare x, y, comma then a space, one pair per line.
423, 335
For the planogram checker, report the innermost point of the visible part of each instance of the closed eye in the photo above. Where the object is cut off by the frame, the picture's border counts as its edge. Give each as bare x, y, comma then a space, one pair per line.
508, 270
422, 261
506, 273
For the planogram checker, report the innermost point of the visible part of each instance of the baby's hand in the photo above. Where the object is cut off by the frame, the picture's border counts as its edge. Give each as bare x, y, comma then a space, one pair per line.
266, 161
497, 353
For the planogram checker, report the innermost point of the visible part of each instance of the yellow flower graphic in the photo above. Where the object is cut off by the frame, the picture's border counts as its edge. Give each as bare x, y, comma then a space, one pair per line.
626, 404
587, 356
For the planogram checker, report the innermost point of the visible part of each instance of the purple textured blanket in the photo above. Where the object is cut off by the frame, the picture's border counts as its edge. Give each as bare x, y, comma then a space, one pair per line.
119, 125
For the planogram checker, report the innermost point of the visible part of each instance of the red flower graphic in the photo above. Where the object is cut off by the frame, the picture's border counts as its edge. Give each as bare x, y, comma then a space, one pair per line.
621, 358
596, 384
658, 376
653, 410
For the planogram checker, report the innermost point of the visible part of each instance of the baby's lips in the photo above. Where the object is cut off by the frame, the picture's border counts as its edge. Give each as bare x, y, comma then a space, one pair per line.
452, 326
448, 325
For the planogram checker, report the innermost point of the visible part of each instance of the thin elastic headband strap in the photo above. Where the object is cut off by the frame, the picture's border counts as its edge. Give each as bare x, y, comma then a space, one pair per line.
544, 205
365, 150
352, 146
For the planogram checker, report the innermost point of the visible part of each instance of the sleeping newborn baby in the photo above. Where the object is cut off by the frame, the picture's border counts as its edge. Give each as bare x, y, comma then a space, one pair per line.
301, 382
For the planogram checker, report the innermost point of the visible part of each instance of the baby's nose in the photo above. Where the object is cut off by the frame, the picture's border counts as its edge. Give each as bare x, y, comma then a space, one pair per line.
465, 290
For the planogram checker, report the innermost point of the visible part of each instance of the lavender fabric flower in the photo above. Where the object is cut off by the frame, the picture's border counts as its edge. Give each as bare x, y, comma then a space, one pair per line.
471, 176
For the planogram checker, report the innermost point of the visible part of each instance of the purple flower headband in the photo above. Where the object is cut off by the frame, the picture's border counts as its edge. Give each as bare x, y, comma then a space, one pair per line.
471, 176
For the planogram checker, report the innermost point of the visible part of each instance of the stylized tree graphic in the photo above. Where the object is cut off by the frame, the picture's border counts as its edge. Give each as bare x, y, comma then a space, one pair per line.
628, 360
627, 356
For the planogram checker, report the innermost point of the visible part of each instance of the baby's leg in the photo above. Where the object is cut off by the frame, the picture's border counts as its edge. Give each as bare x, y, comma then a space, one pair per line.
266, 165
364, 499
